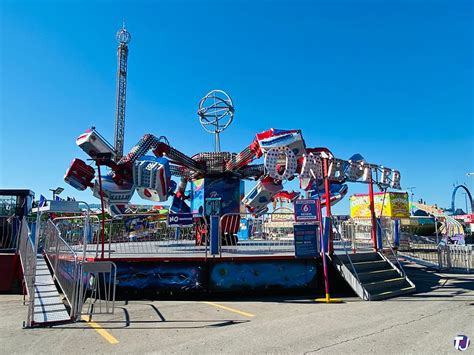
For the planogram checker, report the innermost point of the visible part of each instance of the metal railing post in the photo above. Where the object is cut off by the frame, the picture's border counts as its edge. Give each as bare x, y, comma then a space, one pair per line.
111, 224
466, 259
448, 261
17, 244
56, 257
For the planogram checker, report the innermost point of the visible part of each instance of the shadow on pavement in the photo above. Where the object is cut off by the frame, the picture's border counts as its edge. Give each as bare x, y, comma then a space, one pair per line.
432, 285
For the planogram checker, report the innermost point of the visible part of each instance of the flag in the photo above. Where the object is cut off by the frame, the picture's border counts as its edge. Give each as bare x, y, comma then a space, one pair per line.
42, 201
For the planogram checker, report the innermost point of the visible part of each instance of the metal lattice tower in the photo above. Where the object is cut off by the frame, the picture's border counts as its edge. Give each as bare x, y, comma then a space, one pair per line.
123, 37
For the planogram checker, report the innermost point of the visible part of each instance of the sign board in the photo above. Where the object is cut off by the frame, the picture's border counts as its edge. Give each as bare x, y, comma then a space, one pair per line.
180, 219
306, 241
468, 218
390, 204
60, 207
213, 206
305, 210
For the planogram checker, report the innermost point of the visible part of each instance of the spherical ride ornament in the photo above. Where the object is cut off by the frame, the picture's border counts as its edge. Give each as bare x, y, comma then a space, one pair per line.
216, 111
123, 36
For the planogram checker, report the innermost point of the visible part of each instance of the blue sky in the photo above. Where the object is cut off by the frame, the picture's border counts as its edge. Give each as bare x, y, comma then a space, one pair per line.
392, 80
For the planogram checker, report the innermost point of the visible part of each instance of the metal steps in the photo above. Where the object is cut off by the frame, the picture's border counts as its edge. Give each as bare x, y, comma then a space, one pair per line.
49, 307
372, 276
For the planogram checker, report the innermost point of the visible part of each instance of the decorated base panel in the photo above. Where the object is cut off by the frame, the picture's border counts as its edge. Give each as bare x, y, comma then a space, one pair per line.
146, 278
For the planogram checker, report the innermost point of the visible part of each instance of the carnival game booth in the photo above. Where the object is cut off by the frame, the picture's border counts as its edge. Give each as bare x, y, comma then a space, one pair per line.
15, 206
391, 211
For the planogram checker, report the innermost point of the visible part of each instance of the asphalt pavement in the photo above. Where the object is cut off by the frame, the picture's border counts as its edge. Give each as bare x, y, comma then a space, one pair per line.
423, 323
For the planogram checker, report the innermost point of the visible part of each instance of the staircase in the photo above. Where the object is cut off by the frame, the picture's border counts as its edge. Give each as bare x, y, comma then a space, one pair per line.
372, 275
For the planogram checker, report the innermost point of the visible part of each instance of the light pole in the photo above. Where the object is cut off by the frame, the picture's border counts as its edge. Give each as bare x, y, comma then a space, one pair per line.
411, 195
470, 174
56, 192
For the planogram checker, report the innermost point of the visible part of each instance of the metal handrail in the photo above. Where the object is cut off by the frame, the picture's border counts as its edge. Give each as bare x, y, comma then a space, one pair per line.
348, 257
384, 234
61, 239
151, 240
119, 217
75, 217
28, 263
72, 298
9, 239
58, 220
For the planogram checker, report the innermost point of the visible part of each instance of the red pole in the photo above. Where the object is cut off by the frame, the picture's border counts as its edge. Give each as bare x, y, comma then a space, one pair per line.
372, 212
326, 188
328, 203
319, 212
323, 252
102, 236
327, 194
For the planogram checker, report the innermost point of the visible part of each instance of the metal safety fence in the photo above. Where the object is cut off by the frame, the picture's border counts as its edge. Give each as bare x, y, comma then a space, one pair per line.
426, 252
80, 233
269, 233
27, 252
357, 233
456, 257
78, 278
9, 232
426, 249
147, 234
65, 263
98, 286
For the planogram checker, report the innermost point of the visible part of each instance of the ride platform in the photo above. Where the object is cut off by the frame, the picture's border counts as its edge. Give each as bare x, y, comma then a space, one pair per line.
174, 269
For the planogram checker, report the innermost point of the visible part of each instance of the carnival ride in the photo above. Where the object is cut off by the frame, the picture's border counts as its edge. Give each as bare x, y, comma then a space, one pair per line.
170, 262
214, 175
449, 225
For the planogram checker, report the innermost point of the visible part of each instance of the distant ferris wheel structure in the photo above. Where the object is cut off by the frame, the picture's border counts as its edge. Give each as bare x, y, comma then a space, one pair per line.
216, 113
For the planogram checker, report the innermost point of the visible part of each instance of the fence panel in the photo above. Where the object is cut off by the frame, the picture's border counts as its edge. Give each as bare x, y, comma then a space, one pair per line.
26, 249
9, 232
149, 234
359, 233
269, 233
456, 257
65, 264
72, 232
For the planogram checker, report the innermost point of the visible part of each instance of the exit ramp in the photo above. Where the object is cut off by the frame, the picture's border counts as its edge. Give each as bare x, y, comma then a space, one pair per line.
48, 305
372, 275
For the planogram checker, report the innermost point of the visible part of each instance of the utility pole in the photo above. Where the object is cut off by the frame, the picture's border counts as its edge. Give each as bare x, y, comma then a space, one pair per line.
470, 175
123, 37
411, 197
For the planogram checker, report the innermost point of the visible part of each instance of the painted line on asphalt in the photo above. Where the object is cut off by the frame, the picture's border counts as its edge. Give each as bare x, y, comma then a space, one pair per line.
246, 314
105, 334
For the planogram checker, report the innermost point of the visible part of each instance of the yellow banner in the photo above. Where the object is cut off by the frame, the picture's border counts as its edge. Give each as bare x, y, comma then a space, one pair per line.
394, 204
